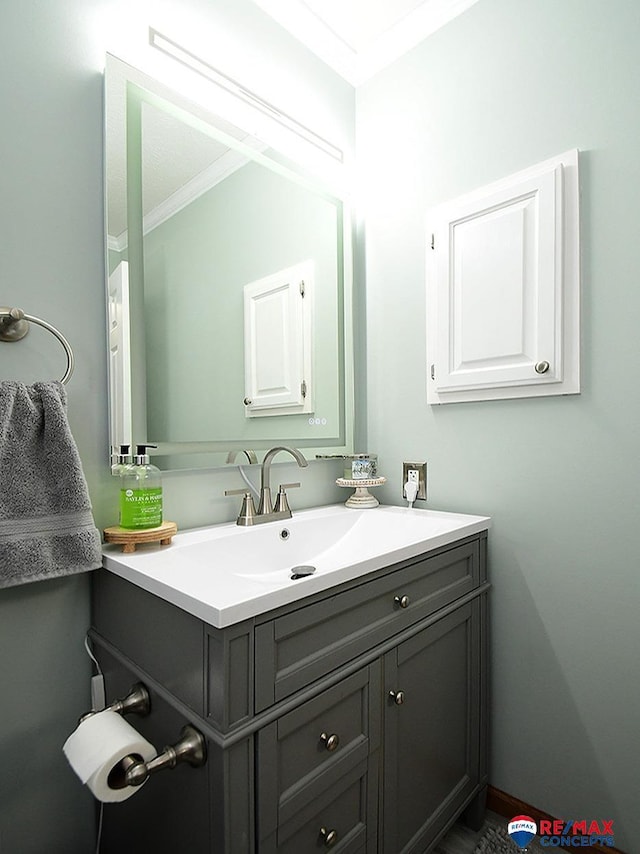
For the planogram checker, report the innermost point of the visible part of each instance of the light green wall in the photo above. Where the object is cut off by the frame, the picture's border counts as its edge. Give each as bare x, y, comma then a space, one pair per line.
500, 88
52, 265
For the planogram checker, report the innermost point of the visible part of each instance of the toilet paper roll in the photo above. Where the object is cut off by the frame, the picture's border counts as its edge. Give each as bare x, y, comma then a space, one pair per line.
96, 749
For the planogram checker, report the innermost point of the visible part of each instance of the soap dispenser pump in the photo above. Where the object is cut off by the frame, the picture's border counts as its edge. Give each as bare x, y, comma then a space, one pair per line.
141, 493
121, 461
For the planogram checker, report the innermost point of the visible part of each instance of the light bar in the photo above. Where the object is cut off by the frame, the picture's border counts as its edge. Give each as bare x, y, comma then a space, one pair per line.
175, 51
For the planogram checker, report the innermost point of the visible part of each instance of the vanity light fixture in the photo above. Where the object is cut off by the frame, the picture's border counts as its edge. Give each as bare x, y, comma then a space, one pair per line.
180, 54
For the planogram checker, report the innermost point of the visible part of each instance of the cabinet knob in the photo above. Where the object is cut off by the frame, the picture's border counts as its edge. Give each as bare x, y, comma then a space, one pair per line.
402, 601
329, 837
330, 741
397, 697
247, 401
542, 367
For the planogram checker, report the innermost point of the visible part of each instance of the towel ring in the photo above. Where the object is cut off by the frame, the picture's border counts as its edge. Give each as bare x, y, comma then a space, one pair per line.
14, 325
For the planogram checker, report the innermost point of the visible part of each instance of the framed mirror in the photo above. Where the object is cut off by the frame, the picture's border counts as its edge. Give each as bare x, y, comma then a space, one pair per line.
228, 285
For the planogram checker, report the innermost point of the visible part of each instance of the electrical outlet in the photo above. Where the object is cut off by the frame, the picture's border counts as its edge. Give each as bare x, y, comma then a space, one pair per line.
416, 472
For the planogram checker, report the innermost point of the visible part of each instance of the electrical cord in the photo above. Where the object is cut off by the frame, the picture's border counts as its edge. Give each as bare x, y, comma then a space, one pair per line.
99, 836
255, 492
100, 673
91, 655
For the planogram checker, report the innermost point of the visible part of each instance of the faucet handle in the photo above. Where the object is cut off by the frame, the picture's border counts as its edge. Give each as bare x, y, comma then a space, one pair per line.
248, 510
282, 505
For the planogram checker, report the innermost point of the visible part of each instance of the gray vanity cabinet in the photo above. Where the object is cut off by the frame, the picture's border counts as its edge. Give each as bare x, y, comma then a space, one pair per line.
352, 720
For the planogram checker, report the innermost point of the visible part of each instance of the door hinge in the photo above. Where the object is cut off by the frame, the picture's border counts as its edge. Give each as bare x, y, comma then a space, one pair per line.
433, 372
303, 388
302, 288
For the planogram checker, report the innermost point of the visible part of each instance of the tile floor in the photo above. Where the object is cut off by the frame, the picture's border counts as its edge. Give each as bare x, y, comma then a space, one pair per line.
461, 840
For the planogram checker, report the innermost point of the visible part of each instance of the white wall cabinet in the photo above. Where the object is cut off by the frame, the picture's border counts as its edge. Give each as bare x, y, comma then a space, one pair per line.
503, 288
277, 343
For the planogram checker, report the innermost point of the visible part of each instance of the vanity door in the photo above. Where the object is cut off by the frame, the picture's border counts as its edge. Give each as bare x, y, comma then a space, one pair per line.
431, 730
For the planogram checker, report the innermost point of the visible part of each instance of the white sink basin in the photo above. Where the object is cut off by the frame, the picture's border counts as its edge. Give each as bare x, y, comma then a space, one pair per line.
225, 573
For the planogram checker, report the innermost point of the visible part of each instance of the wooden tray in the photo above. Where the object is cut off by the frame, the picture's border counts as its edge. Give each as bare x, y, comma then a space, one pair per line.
129, 539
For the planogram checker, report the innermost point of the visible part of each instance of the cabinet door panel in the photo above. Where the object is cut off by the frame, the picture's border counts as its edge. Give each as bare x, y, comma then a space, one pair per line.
278, 343
431, 752
503, 288
496, 303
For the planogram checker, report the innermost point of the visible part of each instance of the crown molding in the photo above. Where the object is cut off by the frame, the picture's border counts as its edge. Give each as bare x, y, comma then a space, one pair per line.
185, 195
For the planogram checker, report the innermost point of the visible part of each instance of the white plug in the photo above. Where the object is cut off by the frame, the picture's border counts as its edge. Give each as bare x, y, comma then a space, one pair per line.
410, 491
98, 698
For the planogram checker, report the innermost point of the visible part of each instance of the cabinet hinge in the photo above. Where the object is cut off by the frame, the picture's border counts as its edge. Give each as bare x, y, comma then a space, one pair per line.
302, 288
433, 241
433, 372
303, 388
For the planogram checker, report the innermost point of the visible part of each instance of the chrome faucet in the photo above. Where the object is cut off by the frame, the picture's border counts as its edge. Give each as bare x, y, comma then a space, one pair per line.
250, 455
266, 511
265, 506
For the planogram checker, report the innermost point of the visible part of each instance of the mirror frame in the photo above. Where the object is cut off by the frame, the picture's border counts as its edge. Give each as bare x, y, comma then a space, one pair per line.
119, 75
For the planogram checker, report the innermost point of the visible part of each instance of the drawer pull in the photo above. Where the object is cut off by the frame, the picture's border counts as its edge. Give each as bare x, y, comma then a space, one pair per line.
330, 741
402, 601
397, 697
329, 837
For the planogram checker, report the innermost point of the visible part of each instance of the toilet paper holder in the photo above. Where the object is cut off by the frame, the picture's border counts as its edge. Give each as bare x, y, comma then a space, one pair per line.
137, 702
133, 770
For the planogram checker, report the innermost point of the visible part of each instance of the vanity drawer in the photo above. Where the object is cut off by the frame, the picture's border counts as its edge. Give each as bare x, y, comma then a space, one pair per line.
307, 751
294, 650
339, 819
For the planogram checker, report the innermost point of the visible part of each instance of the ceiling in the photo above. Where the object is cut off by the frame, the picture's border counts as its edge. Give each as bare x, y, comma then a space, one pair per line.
358, 38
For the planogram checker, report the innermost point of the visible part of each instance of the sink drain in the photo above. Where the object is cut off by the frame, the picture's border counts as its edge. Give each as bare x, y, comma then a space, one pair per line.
301, 572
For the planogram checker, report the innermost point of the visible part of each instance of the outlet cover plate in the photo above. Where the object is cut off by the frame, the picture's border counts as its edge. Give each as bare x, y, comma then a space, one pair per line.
421, 468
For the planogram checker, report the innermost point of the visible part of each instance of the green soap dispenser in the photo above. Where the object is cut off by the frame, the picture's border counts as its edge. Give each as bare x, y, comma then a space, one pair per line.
140, 493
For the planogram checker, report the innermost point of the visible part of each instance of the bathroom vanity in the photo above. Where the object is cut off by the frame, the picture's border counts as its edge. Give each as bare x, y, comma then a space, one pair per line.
351, 714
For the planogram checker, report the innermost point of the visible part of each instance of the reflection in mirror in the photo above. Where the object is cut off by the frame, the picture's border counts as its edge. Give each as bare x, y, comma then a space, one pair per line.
228, 291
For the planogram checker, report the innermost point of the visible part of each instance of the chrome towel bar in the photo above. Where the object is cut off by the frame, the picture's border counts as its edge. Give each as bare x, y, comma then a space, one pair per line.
14, 325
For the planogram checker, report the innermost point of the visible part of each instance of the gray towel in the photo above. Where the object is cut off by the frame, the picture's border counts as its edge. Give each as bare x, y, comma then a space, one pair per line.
46, 525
